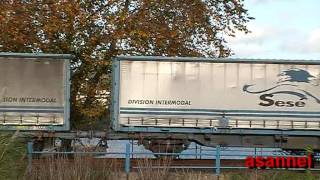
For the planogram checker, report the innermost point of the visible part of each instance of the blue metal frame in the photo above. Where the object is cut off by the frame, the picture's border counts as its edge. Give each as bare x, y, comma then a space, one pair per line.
115, 93
67, 93
219, 112
221, 131
203, 130
62, 57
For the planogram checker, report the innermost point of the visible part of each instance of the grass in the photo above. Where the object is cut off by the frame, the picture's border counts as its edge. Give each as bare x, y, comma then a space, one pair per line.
271, 175
90, 168
77, 168
12, 156
160, 172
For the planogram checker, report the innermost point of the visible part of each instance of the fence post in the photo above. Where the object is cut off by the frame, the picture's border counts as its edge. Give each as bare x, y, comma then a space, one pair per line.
218, 160
127, 161
29, 152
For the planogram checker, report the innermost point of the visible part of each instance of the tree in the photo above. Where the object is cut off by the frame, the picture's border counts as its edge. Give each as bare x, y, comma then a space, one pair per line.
96, 31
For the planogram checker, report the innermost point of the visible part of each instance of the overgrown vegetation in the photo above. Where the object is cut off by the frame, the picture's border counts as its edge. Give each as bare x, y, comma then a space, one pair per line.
271, 175
13, 165
77, 168
89, 168
12, 156
159, 172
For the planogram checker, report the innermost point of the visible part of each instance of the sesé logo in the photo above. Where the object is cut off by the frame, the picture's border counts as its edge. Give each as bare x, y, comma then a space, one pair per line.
291, 82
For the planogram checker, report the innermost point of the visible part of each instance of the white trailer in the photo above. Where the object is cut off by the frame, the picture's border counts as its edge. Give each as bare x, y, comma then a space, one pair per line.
216, 93
234, 102
34, 92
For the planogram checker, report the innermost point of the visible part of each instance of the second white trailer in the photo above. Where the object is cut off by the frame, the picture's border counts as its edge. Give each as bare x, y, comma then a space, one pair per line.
191, 93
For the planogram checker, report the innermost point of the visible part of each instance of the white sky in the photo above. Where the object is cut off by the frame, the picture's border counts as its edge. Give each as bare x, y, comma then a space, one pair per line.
283, 29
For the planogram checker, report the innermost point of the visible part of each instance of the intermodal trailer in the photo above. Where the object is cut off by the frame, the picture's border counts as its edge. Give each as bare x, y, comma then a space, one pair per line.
217, 96
34, 91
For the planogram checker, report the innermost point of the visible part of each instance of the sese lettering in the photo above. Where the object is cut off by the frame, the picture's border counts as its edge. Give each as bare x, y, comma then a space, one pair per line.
268, 101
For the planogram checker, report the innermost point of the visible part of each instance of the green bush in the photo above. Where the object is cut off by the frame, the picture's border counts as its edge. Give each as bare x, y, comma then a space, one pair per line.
12, 156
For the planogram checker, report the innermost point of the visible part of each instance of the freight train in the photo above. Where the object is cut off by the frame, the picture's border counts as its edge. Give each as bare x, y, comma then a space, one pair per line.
167, 102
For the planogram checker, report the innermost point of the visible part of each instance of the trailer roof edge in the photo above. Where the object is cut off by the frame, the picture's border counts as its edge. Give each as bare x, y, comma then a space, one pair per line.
217, 60
36, 55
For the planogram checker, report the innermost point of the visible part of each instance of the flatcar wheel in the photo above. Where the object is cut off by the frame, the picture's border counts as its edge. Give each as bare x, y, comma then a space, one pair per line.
166, 146
38, 145
66, 145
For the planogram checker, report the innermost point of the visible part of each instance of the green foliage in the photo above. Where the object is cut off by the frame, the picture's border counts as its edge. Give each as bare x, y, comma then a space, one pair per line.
96, 31
12, 156
273, 175
310, 176
309, 149
238, 177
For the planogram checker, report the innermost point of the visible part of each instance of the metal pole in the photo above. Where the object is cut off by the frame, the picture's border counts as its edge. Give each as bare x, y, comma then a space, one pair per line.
127, 161
218, 160
255, 152
29, 152
196, 151
131, 148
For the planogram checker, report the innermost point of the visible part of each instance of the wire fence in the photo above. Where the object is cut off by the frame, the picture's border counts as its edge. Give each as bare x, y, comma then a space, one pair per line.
221, 158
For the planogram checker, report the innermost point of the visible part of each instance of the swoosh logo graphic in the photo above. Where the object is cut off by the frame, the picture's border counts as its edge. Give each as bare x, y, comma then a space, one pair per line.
300, 95
309, 94
245, 88
293, 75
